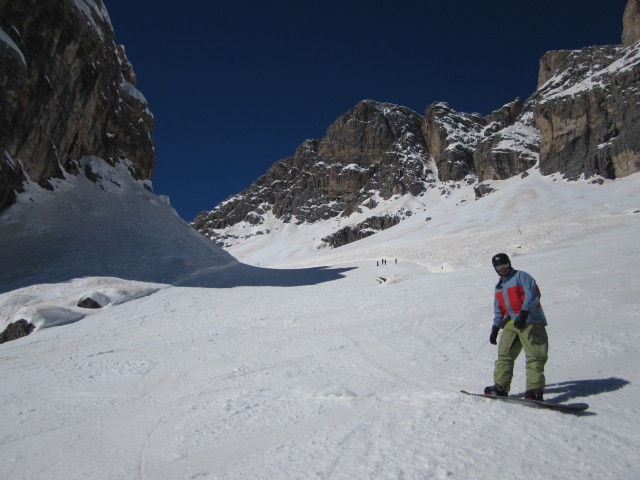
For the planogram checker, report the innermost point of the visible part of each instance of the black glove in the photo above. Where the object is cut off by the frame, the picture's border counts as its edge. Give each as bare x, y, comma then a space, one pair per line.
493, 338
521, 320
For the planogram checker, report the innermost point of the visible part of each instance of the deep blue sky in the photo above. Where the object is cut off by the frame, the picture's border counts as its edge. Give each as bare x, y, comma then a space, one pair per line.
236, 85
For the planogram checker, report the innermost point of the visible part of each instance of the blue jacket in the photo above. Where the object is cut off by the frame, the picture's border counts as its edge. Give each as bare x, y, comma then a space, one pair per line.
515, 292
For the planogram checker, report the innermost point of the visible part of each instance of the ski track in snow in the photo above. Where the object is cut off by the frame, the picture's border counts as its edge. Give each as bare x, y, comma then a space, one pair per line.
348, 378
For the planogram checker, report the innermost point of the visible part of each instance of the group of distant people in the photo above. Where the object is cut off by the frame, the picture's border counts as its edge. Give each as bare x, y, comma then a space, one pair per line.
384, 262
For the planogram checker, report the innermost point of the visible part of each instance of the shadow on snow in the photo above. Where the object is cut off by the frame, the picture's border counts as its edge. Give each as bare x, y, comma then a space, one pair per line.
241, 275
564, 392
234, 274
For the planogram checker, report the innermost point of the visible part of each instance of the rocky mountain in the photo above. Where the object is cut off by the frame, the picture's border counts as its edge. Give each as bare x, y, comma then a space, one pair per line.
68, 91
581, 122
370, 153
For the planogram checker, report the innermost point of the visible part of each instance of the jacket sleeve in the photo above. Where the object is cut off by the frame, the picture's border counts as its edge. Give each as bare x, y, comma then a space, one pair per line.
497, 312
497, 315
531, 292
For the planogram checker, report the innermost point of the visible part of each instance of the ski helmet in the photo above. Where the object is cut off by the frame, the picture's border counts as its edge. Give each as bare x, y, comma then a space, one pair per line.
501, 260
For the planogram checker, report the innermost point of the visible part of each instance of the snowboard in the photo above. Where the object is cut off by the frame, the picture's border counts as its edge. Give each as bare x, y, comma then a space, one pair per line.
562, 407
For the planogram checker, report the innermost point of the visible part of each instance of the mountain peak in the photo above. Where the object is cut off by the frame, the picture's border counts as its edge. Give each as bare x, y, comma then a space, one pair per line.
372, 152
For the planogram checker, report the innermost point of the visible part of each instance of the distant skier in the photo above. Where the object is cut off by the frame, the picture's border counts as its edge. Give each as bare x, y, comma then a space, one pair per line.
518, 312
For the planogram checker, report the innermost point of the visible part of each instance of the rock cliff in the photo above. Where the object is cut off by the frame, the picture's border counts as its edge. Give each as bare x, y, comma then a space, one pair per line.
451, 139
588, 113
371, 153
67, 91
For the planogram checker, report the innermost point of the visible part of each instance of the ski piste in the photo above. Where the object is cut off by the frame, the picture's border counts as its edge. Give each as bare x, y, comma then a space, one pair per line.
563, 407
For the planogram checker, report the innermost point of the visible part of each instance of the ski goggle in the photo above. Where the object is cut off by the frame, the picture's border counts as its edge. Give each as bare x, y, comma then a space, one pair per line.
502, 267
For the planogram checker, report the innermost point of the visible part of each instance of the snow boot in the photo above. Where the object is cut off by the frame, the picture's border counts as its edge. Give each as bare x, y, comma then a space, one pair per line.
496, 391
534, 394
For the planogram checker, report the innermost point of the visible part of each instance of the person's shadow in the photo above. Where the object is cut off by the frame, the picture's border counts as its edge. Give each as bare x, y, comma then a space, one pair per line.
563, 392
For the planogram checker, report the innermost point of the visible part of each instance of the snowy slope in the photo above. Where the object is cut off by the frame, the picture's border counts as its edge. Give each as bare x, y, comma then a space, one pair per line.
113, 226
327, 372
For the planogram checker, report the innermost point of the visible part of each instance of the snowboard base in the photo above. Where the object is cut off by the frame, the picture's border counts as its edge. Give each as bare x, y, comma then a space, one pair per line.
562, 407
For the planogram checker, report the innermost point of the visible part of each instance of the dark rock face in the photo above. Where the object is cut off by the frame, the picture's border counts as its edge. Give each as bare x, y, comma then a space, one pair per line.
67, 91
451, 139
509, 151
550, 63
16, 330
482, 189
88, 302
365, 229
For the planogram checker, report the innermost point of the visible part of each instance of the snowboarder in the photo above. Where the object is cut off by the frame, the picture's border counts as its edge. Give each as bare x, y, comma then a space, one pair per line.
517, 311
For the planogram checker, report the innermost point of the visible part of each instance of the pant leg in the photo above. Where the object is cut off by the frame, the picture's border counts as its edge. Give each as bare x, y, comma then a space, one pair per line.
536, 348
509, 347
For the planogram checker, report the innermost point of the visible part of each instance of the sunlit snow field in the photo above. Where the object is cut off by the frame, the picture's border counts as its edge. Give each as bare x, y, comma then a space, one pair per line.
315, 364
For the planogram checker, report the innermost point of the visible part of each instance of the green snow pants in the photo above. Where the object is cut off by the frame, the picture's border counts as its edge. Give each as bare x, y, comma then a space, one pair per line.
536, 347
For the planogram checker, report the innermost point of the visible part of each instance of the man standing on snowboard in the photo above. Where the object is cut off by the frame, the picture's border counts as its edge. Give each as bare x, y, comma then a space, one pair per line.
517, 311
